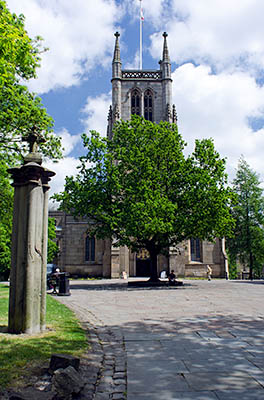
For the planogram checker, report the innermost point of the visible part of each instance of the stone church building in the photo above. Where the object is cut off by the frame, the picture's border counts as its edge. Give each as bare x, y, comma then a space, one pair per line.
147, 93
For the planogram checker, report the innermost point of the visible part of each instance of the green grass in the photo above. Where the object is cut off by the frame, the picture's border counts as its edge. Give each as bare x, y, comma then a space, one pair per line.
20, 354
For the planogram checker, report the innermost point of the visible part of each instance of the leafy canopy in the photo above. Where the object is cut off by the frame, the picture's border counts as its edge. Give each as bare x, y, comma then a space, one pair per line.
139, 189
20, 110
20, 113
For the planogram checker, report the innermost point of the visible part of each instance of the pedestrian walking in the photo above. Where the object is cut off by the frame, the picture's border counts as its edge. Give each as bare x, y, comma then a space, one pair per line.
209, 272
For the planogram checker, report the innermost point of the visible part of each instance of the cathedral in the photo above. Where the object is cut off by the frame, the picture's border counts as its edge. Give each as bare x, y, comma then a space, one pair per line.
147, 93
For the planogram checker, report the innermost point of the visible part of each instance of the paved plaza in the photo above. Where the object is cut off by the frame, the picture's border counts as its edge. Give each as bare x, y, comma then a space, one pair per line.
202, 341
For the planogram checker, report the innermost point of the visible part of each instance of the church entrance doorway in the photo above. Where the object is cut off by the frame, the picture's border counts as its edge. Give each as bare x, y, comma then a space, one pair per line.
143, 264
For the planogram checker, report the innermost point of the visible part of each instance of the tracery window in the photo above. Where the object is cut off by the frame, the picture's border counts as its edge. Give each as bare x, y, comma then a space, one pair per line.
136, 102
196, 253
90, 249
148, 105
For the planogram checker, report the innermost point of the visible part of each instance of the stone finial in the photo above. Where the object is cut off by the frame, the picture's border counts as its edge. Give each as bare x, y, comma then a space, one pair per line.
110, 122
110, 114
174, 115
168, 113
116, 113
34, 138
166, 57
116, 57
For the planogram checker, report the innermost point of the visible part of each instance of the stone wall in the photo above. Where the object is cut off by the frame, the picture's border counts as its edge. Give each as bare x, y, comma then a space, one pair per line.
111, 261
71, 234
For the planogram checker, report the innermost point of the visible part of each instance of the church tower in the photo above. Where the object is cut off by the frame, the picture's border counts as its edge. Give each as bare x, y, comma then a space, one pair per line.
143, 92
147, 93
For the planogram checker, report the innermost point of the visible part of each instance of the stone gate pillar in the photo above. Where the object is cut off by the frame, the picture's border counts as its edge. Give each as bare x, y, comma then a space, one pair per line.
27, 301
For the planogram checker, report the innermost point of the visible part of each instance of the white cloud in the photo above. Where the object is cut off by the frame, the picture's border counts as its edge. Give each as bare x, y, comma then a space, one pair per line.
226, 34
219, 106
79, 35
65, 167
155, 12
68, 141
214, 98
219, 47
152, 10
134, 64
96, 110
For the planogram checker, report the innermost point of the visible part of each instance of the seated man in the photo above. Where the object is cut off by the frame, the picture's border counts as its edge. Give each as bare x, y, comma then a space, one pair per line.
172, 278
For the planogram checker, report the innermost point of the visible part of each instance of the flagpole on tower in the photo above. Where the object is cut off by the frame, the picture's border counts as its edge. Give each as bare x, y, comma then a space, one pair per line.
141, 19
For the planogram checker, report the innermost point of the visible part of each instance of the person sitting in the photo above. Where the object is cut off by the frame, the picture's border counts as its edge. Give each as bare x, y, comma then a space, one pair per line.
172, 278
163, 274
55, 280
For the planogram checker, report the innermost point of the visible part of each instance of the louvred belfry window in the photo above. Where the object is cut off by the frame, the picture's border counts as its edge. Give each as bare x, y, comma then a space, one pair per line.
148, 105
135, 102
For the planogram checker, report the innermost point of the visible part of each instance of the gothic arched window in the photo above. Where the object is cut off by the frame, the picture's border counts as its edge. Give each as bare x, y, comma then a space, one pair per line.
196, 246
90, 249
148, 105
136, 102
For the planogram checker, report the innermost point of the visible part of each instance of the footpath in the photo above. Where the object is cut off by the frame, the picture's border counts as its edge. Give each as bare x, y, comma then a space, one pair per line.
202, 341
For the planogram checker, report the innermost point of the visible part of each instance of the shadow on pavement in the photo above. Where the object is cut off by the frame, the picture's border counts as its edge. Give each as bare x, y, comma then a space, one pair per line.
119, 286
254, 282
203, 357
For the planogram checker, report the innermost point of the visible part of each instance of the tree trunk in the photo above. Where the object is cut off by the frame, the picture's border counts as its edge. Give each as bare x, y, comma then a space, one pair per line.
153, 266
249, 247
250, 265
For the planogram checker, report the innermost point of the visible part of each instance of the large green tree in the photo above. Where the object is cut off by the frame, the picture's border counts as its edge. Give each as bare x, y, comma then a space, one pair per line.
20, 110
247, 244
140, 190
6, 213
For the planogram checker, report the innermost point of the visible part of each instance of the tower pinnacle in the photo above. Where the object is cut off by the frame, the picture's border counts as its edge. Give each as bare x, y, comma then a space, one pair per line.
166, 57
116, 64
116, 57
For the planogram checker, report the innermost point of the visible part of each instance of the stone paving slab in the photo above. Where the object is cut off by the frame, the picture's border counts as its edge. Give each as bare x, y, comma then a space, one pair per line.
255, 394
170, 395
204, 341
222, 365
258, 363
153, 380
143, 347
221, 380
143, 368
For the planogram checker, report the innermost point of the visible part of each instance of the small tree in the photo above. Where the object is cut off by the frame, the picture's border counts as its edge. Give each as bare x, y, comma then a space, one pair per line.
52, 246
142, 192
247, 244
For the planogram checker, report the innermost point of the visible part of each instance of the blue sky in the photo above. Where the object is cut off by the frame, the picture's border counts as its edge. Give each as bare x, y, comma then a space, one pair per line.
217, 54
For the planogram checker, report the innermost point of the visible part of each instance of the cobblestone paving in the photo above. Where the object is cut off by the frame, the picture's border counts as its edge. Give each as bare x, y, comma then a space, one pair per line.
202, 341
